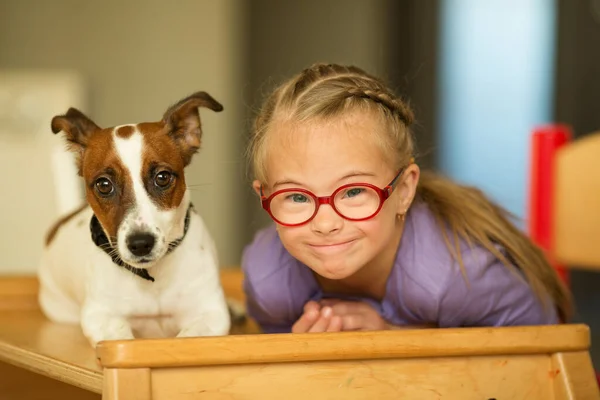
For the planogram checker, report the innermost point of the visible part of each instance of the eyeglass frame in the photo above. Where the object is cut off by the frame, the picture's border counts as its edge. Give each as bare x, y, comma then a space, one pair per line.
384, 194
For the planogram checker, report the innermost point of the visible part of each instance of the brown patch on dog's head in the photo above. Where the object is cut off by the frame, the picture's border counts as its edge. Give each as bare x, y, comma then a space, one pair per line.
125, 131
102, 169
169, 147
162, 166
97, 162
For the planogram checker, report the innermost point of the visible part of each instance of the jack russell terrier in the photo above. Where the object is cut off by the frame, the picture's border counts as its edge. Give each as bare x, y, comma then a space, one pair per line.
136, 260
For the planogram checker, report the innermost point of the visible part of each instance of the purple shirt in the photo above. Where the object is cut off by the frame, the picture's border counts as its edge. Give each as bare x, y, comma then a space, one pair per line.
425, 286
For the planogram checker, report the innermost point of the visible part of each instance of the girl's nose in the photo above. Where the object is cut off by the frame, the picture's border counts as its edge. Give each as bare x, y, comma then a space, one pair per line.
327, 221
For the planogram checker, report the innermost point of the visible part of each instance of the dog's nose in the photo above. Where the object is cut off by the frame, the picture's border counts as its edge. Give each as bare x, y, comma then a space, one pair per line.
140, 244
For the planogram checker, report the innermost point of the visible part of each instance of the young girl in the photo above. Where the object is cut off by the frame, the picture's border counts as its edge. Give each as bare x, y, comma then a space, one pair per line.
362, 239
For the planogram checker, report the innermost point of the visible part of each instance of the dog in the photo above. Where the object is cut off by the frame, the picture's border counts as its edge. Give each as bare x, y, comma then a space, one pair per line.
137, 260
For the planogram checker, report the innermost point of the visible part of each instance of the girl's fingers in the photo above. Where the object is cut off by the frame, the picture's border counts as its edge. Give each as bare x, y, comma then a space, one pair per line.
312, 306
329, 302
351, 307
335, 325
306, 321
353, 322
334, 315
323, 321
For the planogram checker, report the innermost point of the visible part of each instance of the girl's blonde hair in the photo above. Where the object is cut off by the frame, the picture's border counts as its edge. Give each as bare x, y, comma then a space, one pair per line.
325, 91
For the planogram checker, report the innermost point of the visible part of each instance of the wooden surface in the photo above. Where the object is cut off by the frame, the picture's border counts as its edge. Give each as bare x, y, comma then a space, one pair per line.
576, 238
18, 293
545, 362
343, 346
28, 340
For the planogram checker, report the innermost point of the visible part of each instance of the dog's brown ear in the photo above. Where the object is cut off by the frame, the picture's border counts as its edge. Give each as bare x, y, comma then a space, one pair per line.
77, 128
183, 122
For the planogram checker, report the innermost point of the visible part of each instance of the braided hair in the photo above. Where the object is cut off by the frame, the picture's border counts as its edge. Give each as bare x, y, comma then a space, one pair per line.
326, 91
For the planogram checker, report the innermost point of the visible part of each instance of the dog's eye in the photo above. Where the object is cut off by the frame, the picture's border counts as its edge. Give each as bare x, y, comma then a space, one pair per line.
104, 187
163, 179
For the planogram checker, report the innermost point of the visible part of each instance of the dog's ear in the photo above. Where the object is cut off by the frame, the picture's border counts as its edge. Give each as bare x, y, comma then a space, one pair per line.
183, 122
77, 128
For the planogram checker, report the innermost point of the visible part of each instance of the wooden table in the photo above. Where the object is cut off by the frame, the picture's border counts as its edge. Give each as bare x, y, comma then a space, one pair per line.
43, 360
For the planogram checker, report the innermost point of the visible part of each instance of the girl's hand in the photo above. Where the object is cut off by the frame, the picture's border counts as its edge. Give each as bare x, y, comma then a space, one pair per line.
317, 319
355, 315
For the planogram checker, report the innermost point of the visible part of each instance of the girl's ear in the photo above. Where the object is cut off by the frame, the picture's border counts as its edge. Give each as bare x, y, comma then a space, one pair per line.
407, 187
256, 186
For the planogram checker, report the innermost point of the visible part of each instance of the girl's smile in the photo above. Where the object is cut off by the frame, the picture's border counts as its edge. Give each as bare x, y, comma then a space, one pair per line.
333, 248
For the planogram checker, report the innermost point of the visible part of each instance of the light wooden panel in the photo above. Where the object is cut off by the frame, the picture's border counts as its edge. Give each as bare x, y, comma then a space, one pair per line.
576, 377
127, 384
576, 236
461, 378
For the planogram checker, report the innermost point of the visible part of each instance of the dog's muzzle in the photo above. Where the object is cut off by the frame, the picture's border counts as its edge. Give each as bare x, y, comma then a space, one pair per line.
140, 244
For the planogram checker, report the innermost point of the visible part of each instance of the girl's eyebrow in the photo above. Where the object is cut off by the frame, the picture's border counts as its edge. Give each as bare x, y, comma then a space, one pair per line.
355, 174
286, 182
352, 174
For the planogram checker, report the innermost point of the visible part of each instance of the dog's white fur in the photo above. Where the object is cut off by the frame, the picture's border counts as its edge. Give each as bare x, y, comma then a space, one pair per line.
79, 283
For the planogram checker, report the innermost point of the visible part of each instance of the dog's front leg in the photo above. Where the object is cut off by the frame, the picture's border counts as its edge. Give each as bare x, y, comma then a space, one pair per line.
205, 322
99, 324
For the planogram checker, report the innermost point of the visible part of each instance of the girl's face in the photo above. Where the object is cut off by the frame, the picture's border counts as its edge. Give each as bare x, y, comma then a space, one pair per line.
320, 157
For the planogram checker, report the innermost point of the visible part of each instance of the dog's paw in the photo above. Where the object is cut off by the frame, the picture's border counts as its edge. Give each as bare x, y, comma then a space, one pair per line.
107, 329
195, 332
97, 338
203, 328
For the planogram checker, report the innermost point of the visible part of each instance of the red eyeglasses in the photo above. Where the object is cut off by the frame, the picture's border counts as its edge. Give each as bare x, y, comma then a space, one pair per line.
354, 202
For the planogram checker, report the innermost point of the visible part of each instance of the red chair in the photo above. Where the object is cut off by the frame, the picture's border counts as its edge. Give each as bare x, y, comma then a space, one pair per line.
564, 198
545, 143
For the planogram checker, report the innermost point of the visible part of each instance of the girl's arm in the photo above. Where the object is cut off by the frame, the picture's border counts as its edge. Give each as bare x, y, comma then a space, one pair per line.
261, 311
495, 295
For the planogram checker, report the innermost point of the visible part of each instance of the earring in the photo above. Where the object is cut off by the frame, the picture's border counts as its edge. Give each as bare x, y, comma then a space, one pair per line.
402, 216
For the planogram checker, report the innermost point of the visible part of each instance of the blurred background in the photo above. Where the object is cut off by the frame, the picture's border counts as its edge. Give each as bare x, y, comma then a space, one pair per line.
481, 75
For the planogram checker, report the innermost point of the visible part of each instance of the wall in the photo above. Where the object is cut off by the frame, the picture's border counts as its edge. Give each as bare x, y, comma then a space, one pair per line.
496, 85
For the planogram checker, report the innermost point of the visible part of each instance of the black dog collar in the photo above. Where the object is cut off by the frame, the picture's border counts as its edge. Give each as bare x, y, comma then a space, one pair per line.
100, 239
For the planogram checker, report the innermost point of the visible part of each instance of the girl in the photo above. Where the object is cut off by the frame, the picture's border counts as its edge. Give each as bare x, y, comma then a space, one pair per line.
362, 239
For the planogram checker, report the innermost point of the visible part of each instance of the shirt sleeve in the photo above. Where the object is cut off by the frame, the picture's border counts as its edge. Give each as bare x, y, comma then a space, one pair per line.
260, 312
267, 285
492, 295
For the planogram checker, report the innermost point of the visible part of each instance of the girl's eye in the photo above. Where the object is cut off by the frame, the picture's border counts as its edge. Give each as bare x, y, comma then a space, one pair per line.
298, 198
354, 192
104, 187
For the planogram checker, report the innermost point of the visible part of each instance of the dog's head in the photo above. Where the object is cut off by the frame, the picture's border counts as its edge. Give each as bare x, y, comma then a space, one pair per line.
134, 175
